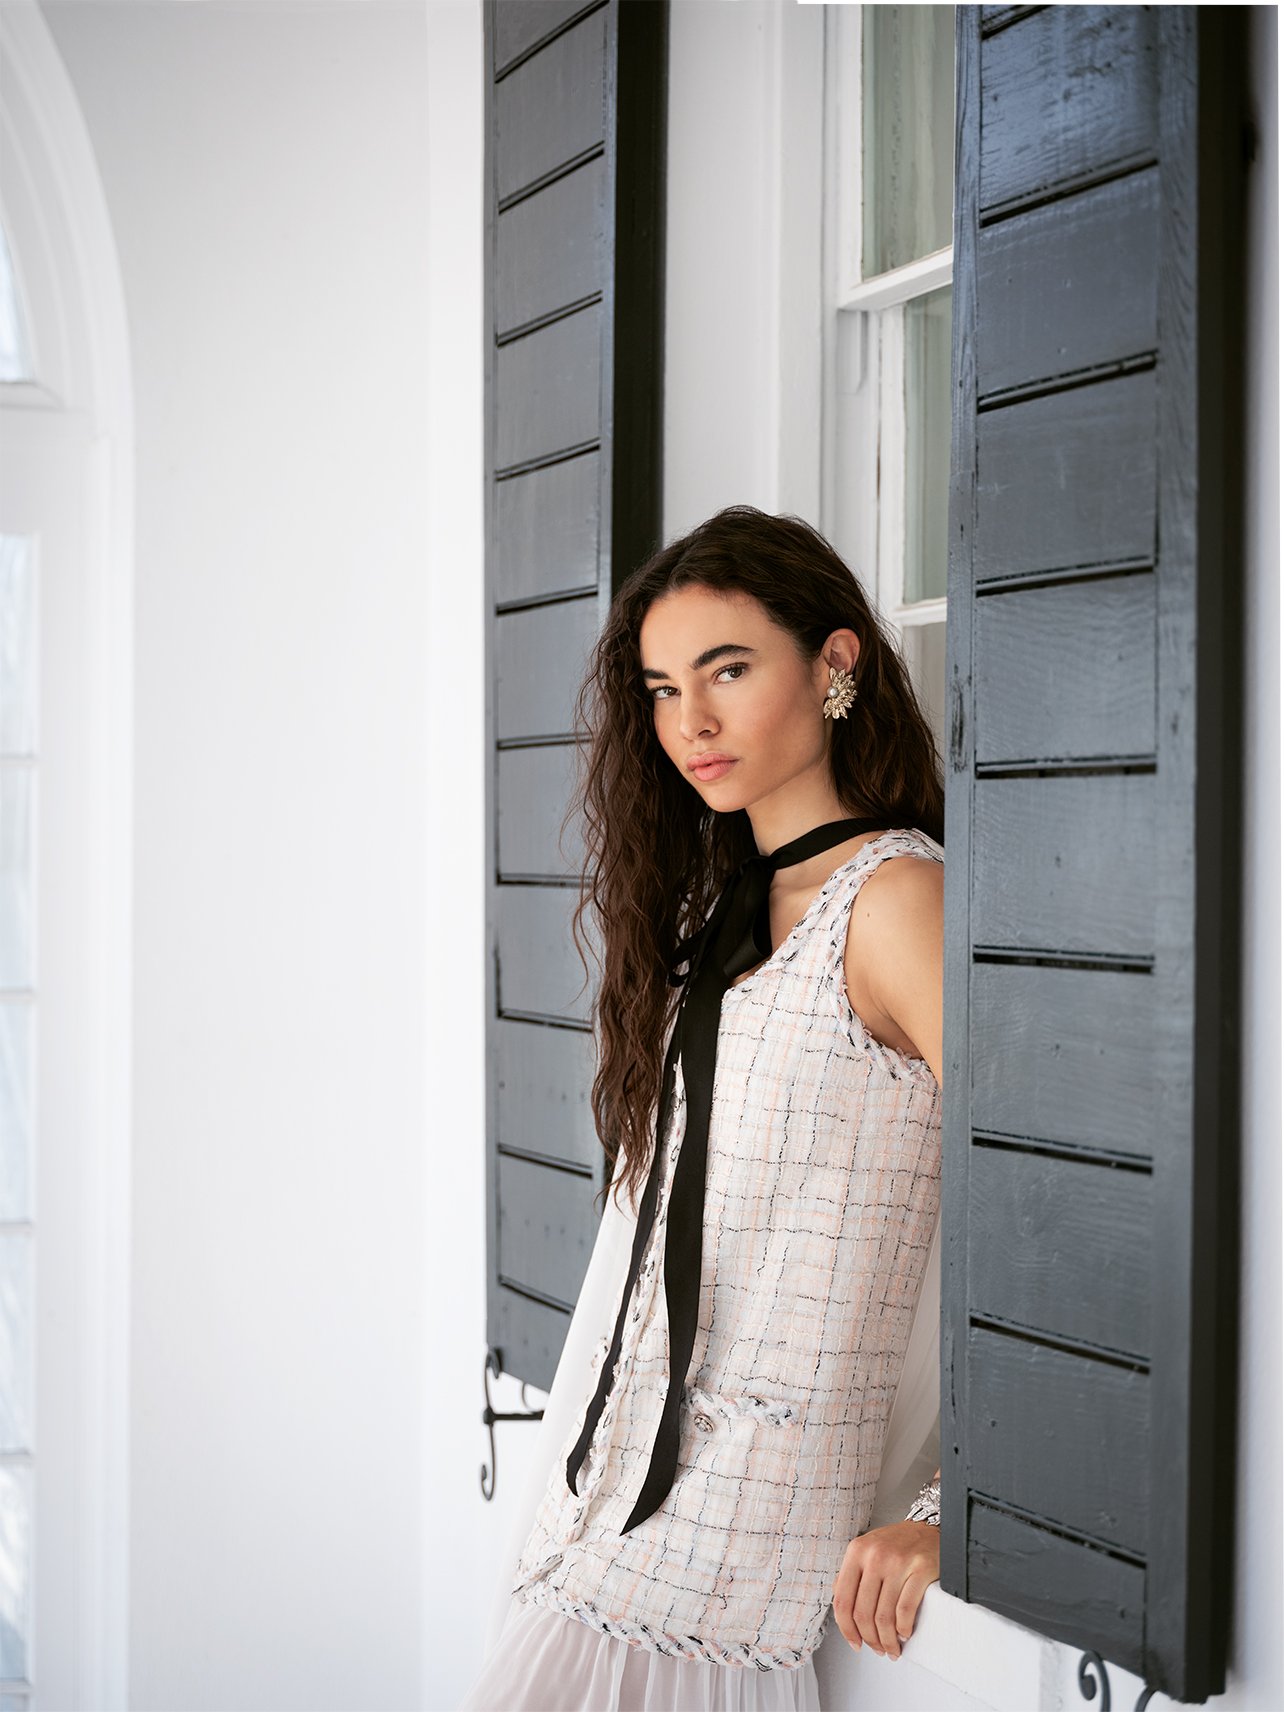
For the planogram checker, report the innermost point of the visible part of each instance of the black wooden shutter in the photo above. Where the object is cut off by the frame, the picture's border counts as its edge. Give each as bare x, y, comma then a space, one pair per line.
1091, 964
574, 131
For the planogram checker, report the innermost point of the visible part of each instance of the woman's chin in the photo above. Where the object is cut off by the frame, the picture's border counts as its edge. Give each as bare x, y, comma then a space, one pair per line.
722, 797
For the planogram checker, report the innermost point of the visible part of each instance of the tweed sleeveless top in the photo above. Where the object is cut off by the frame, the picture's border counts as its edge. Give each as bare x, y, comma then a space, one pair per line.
821, 1200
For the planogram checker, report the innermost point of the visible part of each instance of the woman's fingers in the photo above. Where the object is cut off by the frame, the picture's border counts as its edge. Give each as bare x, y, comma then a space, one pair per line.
881, 1585
885, 1617
868, 1592
845, 1595
910, 1600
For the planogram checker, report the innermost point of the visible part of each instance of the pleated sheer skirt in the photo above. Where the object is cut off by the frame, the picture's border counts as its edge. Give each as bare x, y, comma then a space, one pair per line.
546, 1662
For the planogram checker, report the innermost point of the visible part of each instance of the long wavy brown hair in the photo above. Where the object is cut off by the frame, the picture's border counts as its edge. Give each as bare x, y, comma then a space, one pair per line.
656, 855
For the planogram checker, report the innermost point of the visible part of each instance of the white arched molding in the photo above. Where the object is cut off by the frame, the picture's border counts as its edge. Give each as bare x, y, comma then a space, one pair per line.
55, 211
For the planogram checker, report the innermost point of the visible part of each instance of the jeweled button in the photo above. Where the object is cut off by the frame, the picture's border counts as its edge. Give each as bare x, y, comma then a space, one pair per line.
703, 1424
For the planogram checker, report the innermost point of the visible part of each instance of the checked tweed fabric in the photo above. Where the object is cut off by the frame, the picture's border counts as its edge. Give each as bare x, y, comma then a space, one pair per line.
822, 1196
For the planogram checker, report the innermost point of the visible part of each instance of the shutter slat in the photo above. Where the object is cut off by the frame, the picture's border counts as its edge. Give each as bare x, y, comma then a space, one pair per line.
546, 1228
545, 538
1102, 1599
1067, 479
547, 389
539, 972
1064, 864
540, 656
1071, 285
534, 787
1095, 641
1034, 1406
1076, 1249
548, 248
520, 24
1079, 93
1064, 1055
528, 1334
542, 1078
551, 108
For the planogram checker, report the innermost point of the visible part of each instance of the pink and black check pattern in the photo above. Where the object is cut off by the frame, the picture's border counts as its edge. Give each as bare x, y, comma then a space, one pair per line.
821, 1199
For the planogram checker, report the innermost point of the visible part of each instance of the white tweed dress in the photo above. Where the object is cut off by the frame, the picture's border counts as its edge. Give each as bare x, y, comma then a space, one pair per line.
809, 1407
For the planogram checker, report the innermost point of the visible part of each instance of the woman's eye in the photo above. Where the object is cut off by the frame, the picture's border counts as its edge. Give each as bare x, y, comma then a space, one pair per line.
665, 692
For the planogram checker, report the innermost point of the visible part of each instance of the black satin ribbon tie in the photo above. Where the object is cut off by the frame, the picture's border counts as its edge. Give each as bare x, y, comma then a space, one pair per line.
735, 938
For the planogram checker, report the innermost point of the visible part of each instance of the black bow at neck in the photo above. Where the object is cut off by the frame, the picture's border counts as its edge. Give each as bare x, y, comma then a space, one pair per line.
735, 938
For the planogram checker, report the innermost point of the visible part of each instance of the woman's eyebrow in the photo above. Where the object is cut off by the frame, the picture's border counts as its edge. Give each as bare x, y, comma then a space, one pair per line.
705, 659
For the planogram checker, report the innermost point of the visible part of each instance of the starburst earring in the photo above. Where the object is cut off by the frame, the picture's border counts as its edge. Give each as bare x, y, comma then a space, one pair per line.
840, 695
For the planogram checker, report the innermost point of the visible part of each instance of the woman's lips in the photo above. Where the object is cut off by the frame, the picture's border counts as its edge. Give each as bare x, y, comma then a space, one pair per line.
714, 768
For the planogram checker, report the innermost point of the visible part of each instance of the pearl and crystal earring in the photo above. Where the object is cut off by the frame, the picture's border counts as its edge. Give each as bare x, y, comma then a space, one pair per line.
840, 695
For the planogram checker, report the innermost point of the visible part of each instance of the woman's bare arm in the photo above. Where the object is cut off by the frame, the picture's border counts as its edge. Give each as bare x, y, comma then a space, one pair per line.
893, 964
894, 956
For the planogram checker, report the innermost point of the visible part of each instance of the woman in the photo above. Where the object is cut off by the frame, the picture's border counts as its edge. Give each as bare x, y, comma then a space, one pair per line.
764, 812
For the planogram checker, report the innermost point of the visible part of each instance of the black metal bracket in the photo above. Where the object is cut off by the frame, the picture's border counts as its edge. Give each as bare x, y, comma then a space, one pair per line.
494, 1364
1091, 1662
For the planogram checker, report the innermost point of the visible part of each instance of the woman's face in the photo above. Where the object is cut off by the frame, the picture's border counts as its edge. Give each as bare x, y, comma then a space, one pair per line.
727, 684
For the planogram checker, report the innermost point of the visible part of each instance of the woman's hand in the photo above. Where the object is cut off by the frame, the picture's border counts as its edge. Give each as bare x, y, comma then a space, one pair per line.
881, 1585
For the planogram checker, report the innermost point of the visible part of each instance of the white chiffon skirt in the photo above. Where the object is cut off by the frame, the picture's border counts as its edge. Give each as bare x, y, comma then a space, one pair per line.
546, 1662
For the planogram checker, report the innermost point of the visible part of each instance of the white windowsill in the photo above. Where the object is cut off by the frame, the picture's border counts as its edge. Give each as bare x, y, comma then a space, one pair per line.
999, 1663
994, 1660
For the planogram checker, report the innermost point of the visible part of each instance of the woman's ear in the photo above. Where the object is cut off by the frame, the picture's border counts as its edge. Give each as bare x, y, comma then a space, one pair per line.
840, 649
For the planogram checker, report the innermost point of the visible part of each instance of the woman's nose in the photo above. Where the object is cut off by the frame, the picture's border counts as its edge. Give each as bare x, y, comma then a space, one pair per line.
697, 717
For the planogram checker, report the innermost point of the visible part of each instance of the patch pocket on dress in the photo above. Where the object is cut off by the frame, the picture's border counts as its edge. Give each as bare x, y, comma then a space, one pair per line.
718, 1406
730, 1501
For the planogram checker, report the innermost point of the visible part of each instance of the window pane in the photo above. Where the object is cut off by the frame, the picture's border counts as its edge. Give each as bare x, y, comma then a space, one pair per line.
15, 350
927, 444
15, 1570
15, 1340
17, 1075
907, 123
17, 646
16, 901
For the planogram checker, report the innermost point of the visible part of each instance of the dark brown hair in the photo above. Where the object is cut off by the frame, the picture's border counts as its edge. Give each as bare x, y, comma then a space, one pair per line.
657, 856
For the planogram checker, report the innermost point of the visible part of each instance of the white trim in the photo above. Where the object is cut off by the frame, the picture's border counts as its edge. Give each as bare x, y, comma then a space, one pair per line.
28, 395
918, 612
844, 49
863, 410
899, 285
80, 336
887, 330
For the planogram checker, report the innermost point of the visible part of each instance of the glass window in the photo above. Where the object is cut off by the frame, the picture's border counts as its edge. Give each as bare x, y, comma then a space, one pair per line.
18, 699
927, 443
15, 347
907, 134
890, 162
15, 1569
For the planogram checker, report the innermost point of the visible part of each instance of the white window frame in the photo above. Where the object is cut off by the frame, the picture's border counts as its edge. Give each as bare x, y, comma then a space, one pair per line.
864, 420
70, 433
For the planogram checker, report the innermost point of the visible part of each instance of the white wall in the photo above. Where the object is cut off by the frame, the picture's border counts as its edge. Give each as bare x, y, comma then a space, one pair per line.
742, 375
265, 172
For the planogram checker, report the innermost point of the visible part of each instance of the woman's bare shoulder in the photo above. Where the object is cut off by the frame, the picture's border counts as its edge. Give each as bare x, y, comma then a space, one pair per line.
893, 955
900, 887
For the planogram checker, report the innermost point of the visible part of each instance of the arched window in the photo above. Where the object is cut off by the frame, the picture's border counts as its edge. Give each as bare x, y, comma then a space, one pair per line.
65, 498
